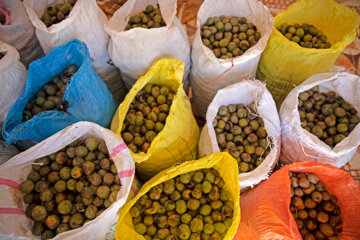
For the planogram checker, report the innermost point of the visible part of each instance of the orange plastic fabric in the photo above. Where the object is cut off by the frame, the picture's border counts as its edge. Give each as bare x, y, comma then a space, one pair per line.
265, 210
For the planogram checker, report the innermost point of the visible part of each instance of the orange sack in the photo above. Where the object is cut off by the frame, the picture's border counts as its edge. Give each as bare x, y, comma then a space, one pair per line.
265, 210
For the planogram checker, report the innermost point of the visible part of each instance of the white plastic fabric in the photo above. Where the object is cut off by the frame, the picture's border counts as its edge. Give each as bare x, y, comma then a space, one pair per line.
245, 92
20, 32
300, 145
135, 50
85, 22
206, 67
15, 225
12, 79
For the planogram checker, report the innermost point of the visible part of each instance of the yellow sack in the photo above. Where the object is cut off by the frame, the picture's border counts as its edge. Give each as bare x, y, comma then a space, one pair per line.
222, 162
285, 63
177, 142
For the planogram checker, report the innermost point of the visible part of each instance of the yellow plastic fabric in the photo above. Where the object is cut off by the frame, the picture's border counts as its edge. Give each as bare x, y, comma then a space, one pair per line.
285, 63
222, 162
177, 142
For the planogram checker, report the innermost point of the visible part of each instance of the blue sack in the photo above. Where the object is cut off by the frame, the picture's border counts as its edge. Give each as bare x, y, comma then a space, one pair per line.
88, 96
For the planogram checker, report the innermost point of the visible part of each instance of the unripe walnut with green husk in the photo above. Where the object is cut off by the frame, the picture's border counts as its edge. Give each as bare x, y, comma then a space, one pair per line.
65, 189
146, 116
314, 209
327, 115
189, 206
229, 37
149, 18
57, 12
240, 131
50, 96
305, 35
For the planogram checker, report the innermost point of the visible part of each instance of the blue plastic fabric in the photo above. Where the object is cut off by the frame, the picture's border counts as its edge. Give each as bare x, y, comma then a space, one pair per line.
88, 96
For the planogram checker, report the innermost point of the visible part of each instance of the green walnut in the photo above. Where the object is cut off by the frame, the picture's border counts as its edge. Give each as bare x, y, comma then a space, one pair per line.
305, 35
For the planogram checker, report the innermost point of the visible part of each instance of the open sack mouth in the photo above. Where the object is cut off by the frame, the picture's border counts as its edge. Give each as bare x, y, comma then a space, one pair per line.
229, 37
56, 13
327, 115
149, 18
315, 210
71, 187
240, 131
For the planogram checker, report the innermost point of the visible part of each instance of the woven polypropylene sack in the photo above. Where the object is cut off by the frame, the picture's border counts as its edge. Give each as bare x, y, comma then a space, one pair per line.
7, 151
12, 79
265, 213
86, 23
299, 144
208, 73
245, 92
285, 64
177, 141
222, 162
14, 224
20, 33
88, 97
135, 50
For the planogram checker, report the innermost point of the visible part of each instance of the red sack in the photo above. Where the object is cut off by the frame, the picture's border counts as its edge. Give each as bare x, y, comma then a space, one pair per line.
265, 210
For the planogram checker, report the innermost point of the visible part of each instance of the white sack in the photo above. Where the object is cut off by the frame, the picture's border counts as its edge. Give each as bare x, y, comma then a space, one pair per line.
16, 225
20, 32
135, 50
12, 79
245, 92
85, 22
300, 145
206, 67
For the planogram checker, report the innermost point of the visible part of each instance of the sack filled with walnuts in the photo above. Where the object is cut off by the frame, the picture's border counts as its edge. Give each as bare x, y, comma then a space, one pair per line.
142, 32
304, 200
195, 200
156, 121
227, 46
70, 185
320, 120
242, 120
